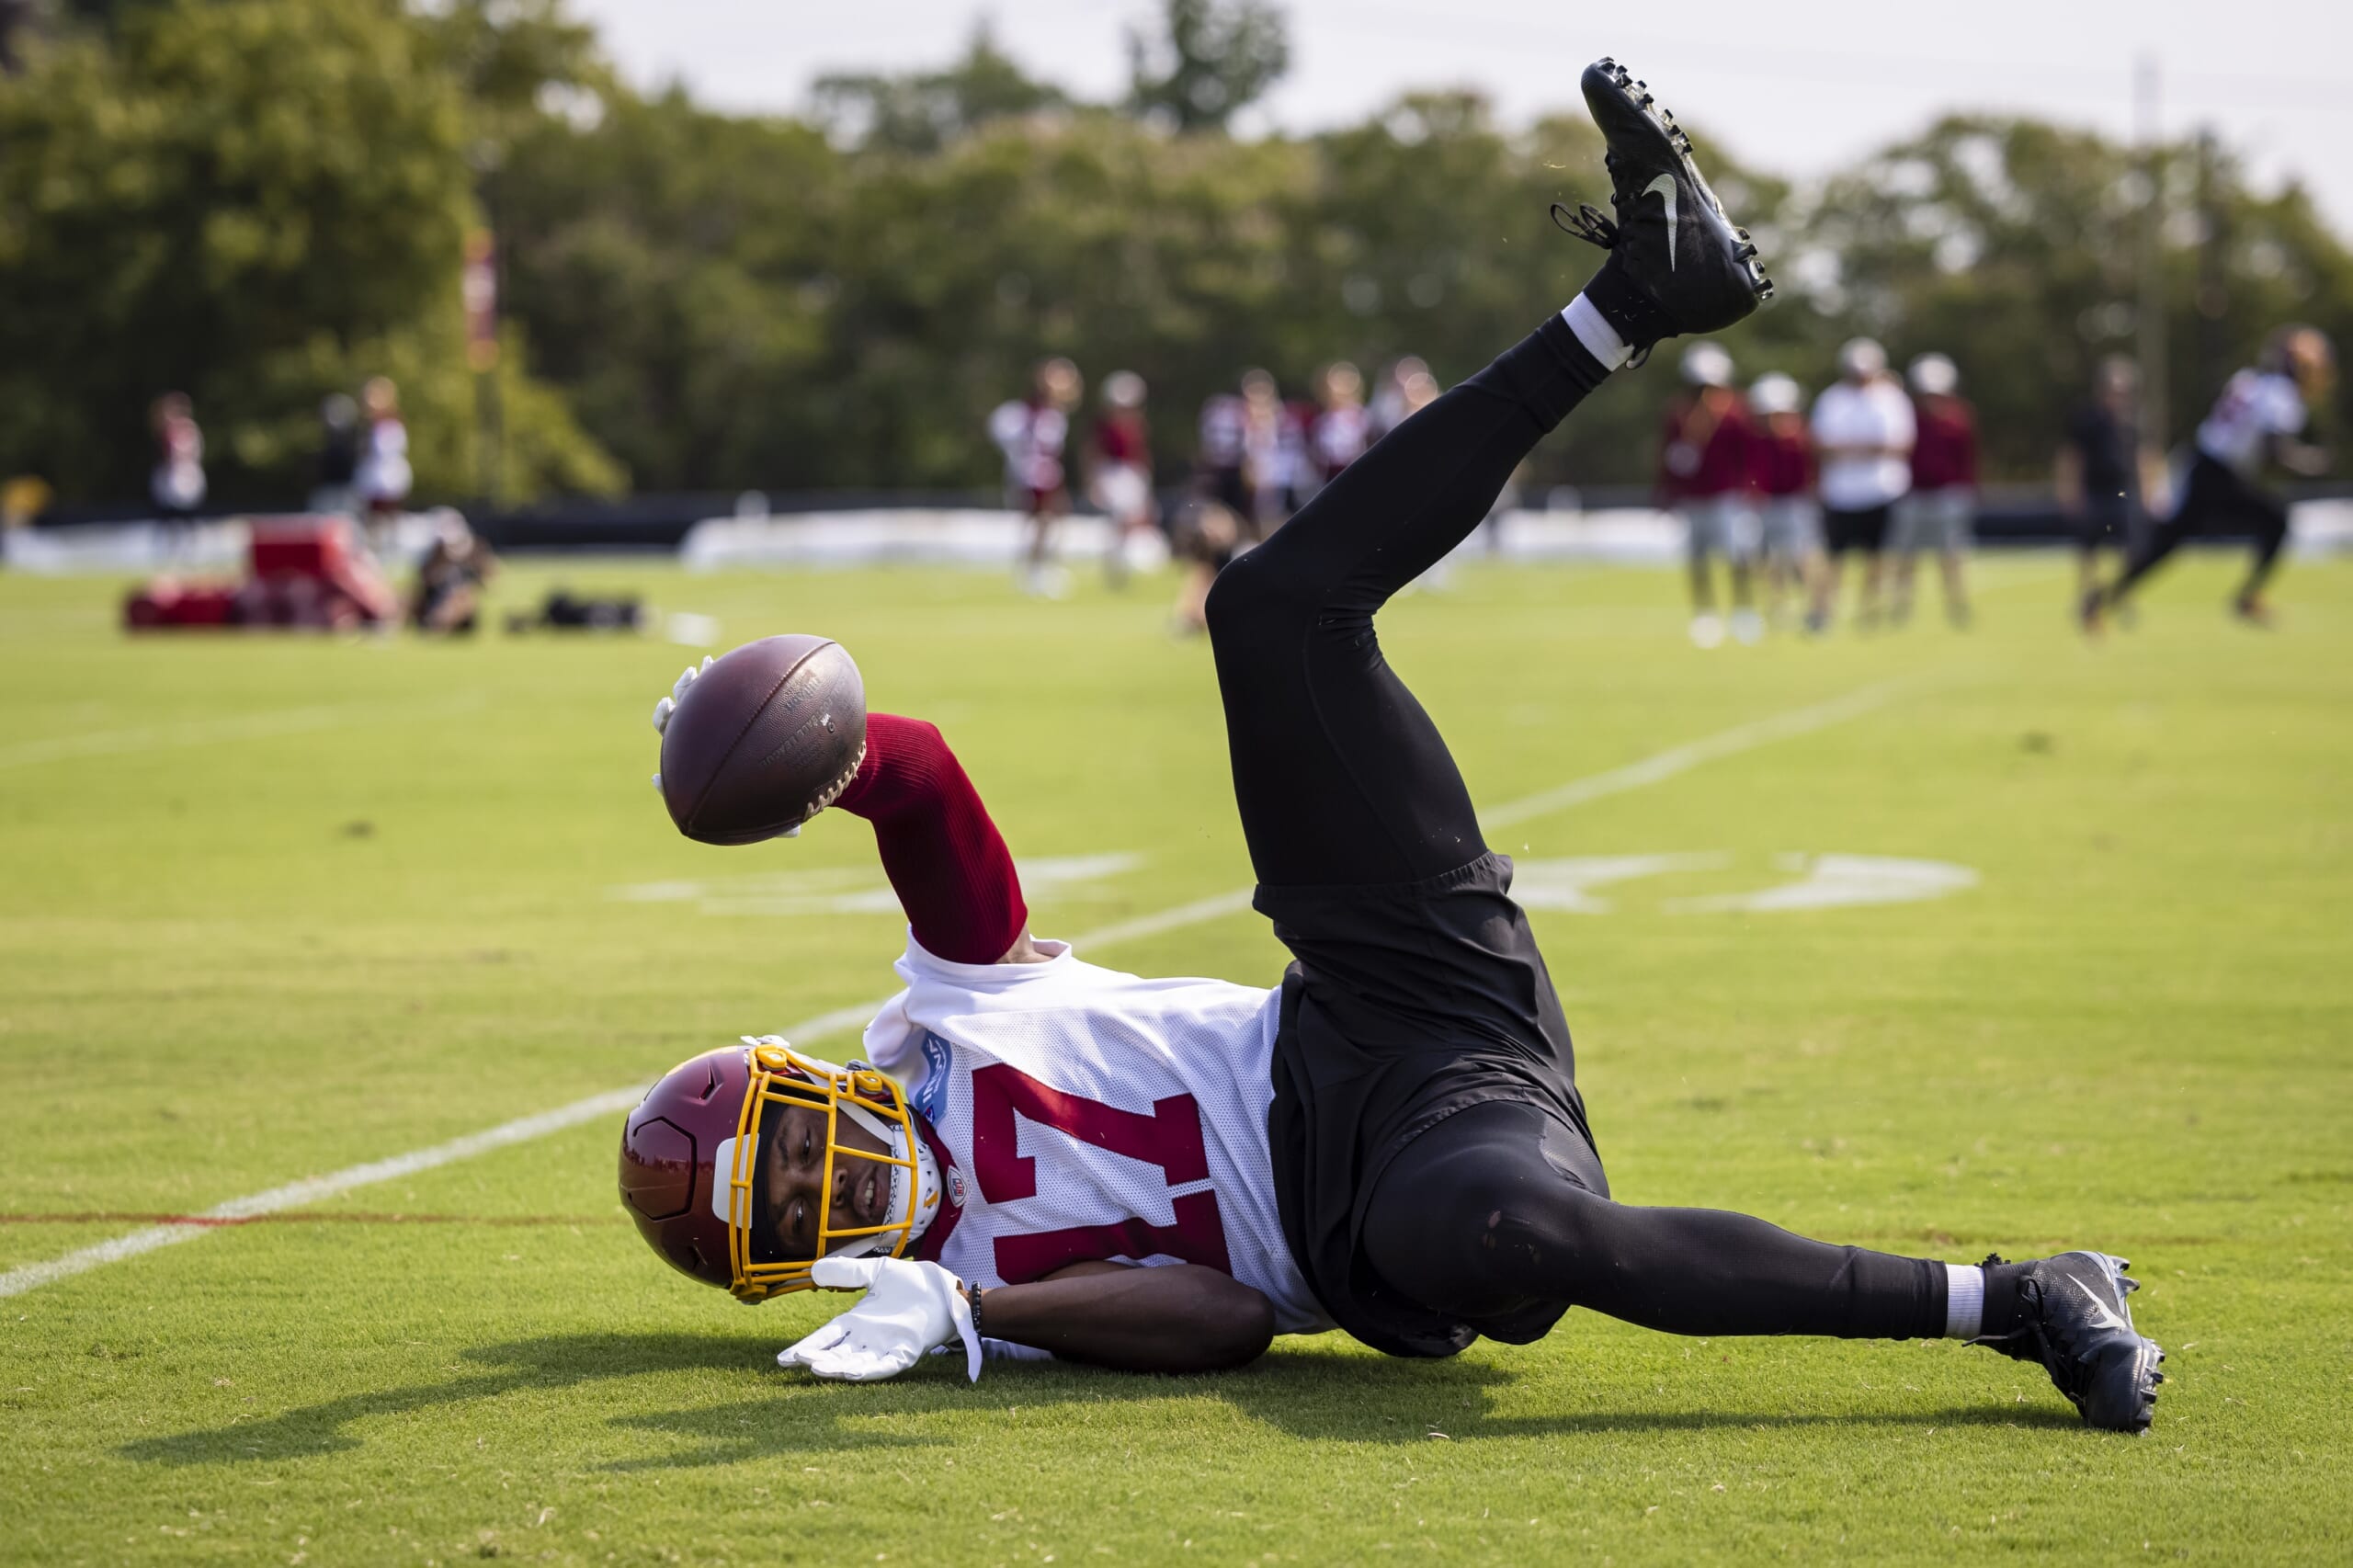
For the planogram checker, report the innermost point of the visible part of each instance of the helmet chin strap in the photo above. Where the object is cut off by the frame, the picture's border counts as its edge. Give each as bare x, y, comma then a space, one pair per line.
915, 1195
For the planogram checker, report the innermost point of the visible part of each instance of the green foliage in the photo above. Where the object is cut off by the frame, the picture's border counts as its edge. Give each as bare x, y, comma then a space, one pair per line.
676, 269
735, 303
183, 207
2011, 245
257, 200
924, 112
1211, 60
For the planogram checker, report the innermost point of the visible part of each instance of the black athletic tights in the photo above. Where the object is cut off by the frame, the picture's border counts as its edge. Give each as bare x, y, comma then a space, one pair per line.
2214, 495
1343, 781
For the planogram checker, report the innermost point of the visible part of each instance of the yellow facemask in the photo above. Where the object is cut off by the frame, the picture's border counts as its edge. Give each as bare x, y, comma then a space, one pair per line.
782, 1077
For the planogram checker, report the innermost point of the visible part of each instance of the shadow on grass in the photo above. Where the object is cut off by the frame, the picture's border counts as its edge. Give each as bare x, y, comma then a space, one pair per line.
1304, 1393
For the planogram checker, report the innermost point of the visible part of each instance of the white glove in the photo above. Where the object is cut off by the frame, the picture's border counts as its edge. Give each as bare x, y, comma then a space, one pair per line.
669, 705
909, 1307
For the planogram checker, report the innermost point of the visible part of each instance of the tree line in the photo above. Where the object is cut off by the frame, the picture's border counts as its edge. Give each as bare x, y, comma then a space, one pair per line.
261, 201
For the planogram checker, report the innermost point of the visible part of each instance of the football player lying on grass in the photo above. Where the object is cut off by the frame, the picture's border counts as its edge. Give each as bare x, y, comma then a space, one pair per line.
1161, 1175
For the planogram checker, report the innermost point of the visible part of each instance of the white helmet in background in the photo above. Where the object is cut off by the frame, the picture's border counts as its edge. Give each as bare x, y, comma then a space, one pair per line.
1933, 375
1860, 359
1707, 364
1775, 394
1123, 388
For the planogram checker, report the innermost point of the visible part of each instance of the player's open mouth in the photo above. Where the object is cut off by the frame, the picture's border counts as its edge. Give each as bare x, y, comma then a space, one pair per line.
869, 1200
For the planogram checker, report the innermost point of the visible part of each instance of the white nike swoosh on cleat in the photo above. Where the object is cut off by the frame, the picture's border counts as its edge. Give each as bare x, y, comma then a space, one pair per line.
1665, 186
2107, 1318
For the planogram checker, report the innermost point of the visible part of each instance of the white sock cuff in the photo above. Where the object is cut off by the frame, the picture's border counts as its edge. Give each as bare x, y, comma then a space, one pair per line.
1600, 339
1964, 1301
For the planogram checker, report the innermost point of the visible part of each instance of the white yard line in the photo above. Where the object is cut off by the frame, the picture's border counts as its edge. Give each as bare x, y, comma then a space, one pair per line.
1683, 758
1650, 770
1183, 914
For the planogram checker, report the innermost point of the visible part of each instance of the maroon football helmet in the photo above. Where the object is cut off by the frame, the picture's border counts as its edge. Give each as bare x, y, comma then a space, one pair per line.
670, 1150
689, 1150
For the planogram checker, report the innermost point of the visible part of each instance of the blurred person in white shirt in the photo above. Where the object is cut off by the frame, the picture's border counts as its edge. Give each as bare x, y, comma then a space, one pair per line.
1343, 429
176, 483
1862, 437
383, 477
1269, 451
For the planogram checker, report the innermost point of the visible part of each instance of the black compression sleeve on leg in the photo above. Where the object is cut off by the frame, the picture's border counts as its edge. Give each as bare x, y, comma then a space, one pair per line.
1473, 1219
1341, 778
2270, 533
1396, 511
2163, 541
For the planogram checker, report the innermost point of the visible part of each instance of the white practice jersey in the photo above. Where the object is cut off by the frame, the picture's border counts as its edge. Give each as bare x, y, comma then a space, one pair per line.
2255, 406
1032, 438
383, 473
1091, 1114
1875, 415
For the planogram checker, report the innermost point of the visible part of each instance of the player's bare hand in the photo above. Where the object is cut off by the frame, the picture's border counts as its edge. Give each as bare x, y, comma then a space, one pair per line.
909, 1307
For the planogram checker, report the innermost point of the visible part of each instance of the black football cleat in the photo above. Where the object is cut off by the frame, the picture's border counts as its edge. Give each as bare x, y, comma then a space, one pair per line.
2075, 1321
1676, 264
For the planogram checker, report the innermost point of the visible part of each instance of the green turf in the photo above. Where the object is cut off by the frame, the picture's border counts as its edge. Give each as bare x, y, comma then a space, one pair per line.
270, 908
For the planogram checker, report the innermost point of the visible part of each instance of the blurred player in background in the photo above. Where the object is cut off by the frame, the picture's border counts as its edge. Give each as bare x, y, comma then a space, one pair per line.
335, 491
2101, 472
447, 599
1342, 429
1303, 474
2252, 428
1204, 534
1862, 437
1781, 474
1031, 433
1268, 452
383, 478
175, 484
1218, 456
1120, 480
1703, 474
1941, 512
1408, 386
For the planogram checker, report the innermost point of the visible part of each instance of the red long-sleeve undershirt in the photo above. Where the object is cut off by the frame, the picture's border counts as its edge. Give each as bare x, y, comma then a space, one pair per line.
946, 859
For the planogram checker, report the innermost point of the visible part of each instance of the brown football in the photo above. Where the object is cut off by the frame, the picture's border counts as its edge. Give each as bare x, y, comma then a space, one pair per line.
763, 740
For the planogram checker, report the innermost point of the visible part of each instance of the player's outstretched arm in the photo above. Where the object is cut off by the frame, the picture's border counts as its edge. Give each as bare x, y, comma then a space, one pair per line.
946, 859
1176, 1318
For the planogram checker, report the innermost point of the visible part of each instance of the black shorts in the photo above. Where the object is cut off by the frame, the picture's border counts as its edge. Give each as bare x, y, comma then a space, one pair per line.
1407, 1004
1865, 530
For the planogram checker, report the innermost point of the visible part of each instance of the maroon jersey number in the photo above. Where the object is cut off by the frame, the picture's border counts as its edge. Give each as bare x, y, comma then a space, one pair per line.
1170, 1138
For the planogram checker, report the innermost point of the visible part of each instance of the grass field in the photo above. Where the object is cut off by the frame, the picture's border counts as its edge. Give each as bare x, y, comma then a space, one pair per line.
270, 909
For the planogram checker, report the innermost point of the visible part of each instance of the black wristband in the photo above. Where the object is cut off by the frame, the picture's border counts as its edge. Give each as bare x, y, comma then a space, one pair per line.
972, 1299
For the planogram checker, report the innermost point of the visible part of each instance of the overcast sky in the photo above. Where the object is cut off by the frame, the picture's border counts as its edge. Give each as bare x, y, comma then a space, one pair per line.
1795, 84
